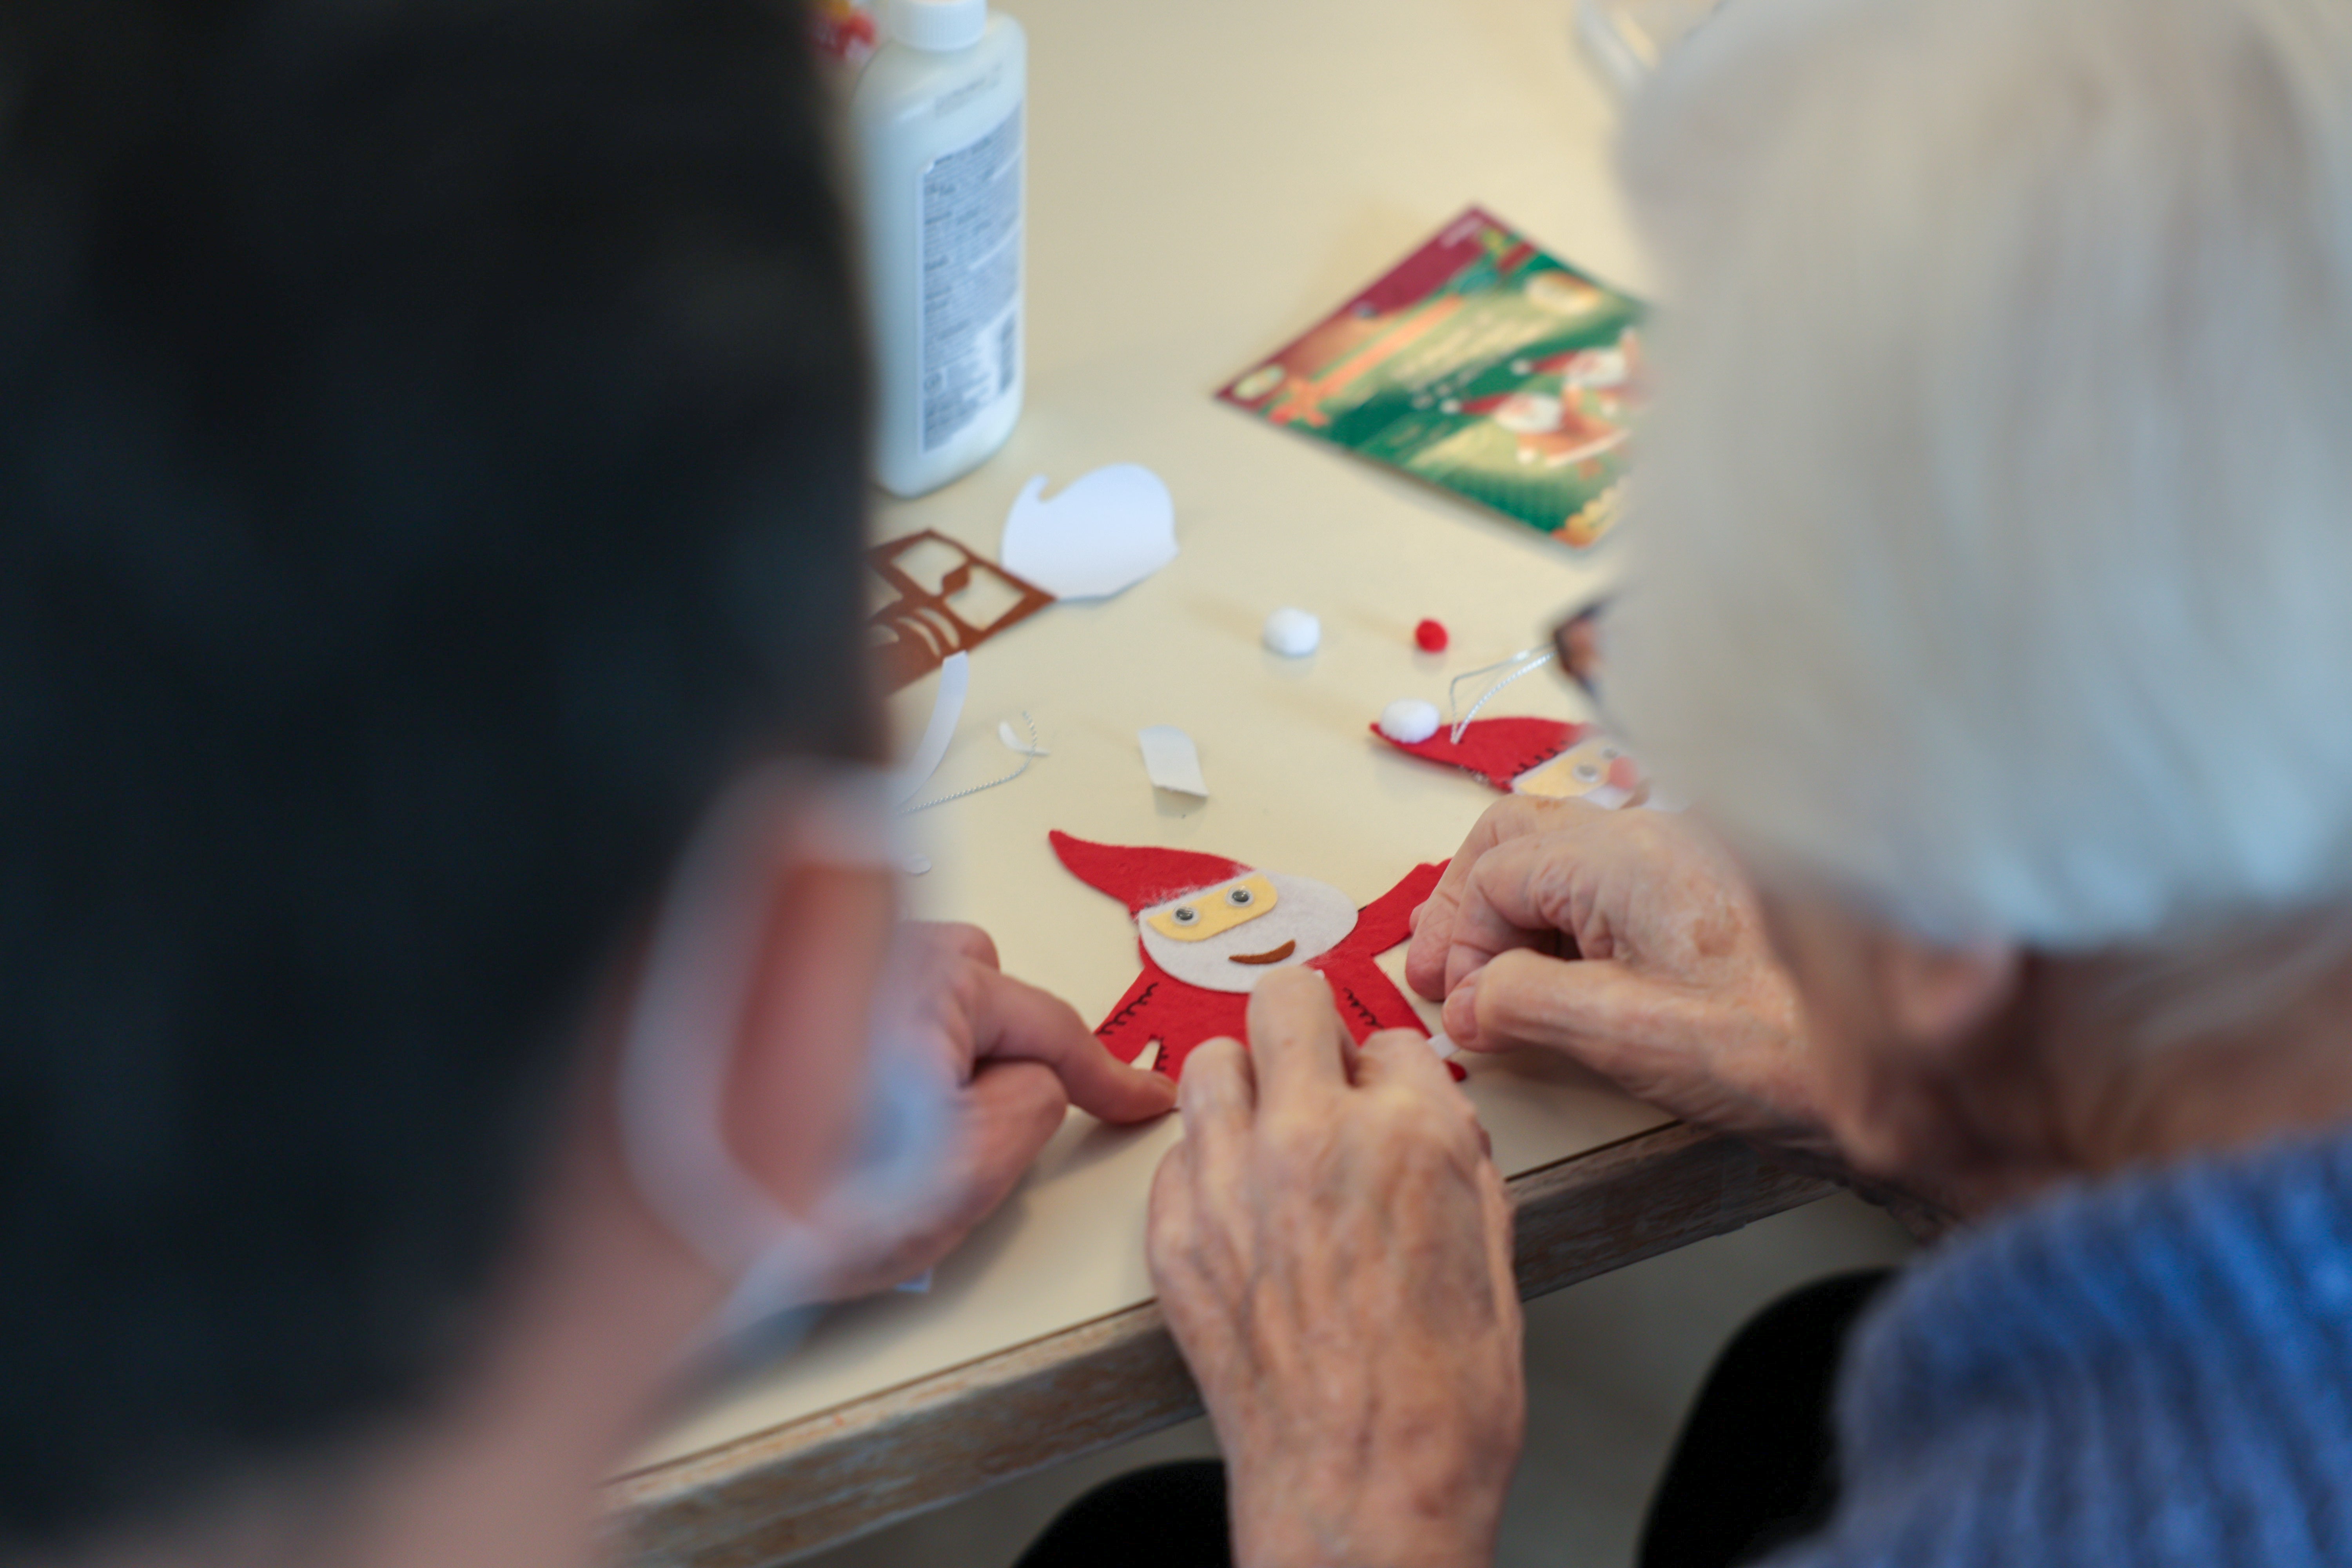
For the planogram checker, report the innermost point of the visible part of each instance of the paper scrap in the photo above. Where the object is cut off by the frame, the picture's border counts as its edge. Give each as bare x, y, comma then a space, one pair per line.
947, 708
1106, 531
1172, 760
1014, 740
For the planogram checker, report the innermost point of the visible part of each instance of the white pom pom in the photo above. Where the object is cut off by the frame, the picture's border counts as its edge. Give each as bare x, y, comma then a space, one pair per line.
1409, 720
1293, 634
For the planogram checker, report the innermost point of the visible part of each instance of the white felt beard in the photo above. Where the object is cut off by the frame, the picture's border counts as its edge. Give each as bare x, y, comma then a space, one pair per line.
1313, 916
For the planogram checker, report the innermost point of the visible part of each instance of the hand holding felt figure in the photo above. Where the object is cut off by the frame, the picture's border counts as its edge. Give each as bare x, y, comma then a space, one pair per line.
1013, 1060
1209, 928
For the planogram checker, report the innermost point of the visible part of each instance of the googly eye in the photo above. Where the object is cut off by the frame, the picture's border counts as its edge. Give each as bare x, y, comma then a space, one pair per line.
1585, 772
1610, 754
1239, 897
1186, 915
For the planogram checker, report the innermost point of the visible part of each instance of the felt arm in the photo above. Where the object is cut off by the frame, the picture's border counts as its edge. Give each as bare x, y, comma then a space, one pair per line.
1388, 920
1127, 1028
1368, 1002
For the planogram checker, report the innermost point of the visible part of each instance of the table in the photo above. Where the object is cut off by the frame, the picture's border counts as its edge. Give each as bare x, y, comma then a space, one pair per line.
1206, 180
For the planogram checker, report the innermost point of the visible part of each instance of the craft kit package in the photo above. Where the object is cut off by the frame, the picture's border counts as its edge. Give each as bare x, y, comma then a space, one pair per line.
937, 129
1480, 364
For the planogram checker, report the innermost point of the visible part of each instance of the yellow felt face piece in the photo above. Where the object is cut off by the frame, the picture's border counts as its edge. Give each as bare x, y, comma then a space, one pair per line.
1573, 773
1217, 908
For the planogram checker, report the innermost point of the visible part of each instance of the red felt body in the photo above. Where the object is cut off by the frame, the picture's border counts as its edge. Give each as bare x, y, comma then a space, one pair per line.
1495, 750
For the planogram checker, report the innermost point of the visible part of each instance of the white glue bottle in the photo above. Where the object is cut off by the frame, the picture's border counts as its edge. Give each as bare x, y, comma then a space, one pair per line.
937, 121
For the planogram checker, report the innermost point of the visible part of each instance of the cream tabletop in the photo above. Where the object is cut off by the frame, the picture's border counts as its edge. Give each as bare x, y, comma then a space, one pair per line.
1206, 180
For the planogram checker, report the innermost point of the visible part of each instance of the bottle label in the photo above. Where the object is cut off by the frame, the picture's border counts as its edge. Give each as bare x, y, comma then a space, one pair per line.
971, 280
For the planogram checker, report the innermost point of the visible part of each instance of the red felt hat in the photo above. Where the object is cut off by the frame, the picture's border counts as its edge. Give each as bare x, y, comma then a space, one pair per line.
1141, 875
1495, 750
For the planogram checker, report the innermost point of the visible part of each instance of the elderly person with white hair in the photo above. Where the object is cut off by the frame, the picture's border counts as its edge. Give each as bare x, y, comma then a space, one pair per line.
1993, 602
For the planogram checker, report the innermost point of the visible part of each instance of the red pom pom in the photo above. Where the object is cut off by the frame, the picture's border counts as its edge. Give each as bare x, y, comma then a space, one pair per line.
1430, 637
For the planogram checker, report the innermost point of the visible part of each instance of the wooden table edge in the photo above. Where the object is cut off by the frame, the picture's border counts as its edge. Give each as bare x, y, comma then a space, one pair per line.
842, 1473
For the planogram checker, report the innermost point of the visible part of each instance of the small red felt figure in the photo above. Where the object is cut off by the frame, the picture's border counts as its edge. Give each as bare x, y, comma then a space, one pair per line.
1580, 414
1549, 758
1210, 926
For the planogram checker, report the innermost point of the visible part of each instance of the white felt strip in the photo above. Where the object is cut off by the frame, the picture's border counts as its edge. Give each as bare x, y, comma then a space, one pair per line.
947, 709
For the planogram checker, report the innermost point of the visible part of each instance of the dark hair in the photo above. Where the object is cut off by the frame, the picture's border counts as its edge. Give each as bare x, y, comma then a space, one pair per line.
430, 441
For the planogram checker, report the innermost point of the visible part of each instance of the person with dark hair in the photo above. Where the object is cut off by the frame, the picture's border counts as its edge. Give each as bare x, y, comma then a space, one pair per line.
431, 467
449, 966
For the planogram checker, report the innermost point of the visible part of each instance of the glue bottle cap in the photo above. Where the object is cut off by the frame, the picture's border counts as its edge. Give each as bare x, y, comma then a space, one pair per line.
938, 24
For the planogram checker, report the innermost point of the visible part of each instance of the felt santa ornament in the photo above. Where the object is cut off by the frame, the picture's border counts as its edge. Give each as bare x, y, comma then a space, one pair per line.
1577, 418
1211, 928
1548, 758
1612, 374
1551, 429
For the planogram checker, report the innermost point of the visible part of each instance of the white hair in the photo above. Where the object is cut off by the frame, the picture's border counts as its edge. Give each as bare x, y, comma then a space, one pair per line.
1994, 527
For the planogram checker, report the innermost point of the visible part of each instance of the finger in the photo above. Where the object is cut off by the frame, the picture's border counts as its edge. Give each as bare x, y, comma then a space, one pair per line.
1401, 1059
1584, 1008
1350, 1056
1013, 1021
1005, 1116
1401, 1056
1521, 894
1432, 929
1171, 1216
958, 937
1296, 1041
1009, 1110
1219, 1100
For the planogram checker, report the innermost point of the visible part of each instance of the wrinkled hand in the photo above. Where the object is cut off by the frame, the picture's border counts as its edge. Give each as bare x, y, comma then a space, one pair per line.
1332, 1246
1019, 1059
1630, 942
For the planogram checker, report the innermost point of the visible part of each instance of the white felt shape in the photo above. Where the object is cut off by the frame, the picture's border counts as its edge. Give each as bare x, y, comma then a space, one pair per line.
1408, 720
1292, 633
1106, 531
1312, 917
946, 709
1172, 760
